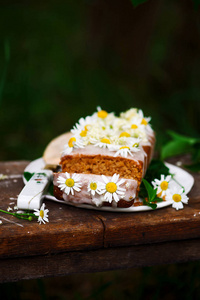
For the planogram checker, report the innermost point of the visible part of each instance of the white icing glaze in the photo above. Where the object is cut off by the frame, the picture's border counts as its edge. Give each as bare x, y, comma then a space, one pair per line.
85, 197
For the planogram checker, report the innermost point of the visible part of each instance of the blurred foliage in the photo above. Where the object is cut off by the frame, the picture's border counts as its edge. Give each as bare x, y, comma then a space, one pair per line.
138, 2
61, 59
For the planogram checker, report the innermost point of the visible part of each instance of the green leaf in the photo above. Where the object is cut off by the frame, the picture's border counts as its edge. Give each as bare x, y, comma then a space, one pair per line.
152, 205
28, 175
148, 188
50, 189
179, 137
155, 169
175, 147
179, 144
137, 2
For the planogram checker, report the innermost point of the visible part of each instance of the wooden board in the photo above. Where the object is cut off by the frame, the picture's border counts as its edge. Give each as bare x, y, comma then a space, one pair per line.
87, 232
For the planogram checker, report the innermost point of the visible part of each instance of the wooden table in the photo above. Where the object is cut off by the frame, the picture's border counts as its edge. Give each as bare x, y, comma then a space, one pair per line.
78, 240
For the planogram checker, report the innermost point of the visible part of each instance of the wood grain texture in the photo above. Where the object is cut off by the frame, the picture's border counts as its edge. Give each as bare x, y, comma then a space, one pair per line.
80, 240
99, 260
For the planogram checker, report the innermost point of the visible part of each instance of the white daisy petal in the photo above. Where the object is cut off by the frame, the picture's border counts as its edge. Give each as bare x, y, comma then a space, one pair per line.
161, 185
70, 183
121, 182
115, 178
42, 214
115, 196
104, 178
111, 188
178, 205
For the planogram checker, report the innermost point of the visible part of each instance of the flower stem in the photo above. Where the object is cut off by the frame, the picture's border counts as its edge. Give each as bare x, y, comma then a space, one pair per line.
23, 216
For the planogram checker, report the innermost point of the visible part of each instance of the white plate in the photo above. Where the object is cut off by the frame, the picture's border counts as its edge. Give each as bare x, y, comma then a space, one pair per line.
181, 176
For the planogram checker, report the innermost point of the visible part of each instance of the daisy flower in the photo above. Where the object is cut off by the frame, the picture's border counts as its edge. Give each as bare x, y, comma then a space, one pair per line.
93, 187
161, 185
178, 197
144, 121
111, 189
104, 143
69, 184
102, 114
83, 124
135, 124
124, 151
42, 214
74, 142
134, 144
129, 114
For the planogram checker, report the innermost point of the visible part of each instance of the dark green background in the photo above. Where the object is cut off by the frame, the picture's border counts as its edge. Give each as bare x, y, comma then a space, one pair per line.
60, 59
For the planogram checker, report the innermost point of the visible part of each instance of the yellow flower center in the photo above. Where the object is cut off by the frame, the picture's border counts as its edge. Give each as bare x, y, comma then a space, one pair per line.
111, 187
124, 147
164, 185
126, 134
93, 186
134, 126
86, 127
135, 145
102, 114
71, 142
83, 133
69, 182
42, 214
176, 197
144, 122
105, 141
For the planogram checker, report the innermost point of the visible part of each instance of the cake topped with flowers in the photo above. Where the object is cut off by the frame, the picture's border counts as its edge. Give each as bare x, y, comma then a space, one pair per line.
120, 135
105, 159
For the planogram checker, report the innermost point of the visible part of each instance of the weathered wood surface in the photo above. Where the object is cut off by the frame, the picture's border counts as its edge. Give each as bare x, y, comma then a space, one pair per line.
80, 240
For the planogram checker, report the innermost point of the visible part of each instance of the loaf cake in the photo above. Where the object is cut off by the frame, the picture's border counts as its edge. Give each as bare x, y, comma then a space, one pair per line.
105, 159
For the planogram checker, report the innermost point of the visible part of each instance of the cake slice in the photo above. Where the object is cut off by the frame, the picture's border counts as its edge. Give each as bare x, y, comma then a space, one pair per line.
105, 159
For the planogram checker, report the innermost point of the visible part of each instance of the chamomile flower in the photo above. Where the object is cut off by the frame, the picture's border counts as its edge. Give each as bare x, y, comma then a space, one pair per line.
83, 124
104, 143
102, 114
144, 120
134, 125
161, 185
134, 144
129, 114
69, 184
42, 214
124, 134
93, 187
74, 142
123, 151
178, 197
111, 189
